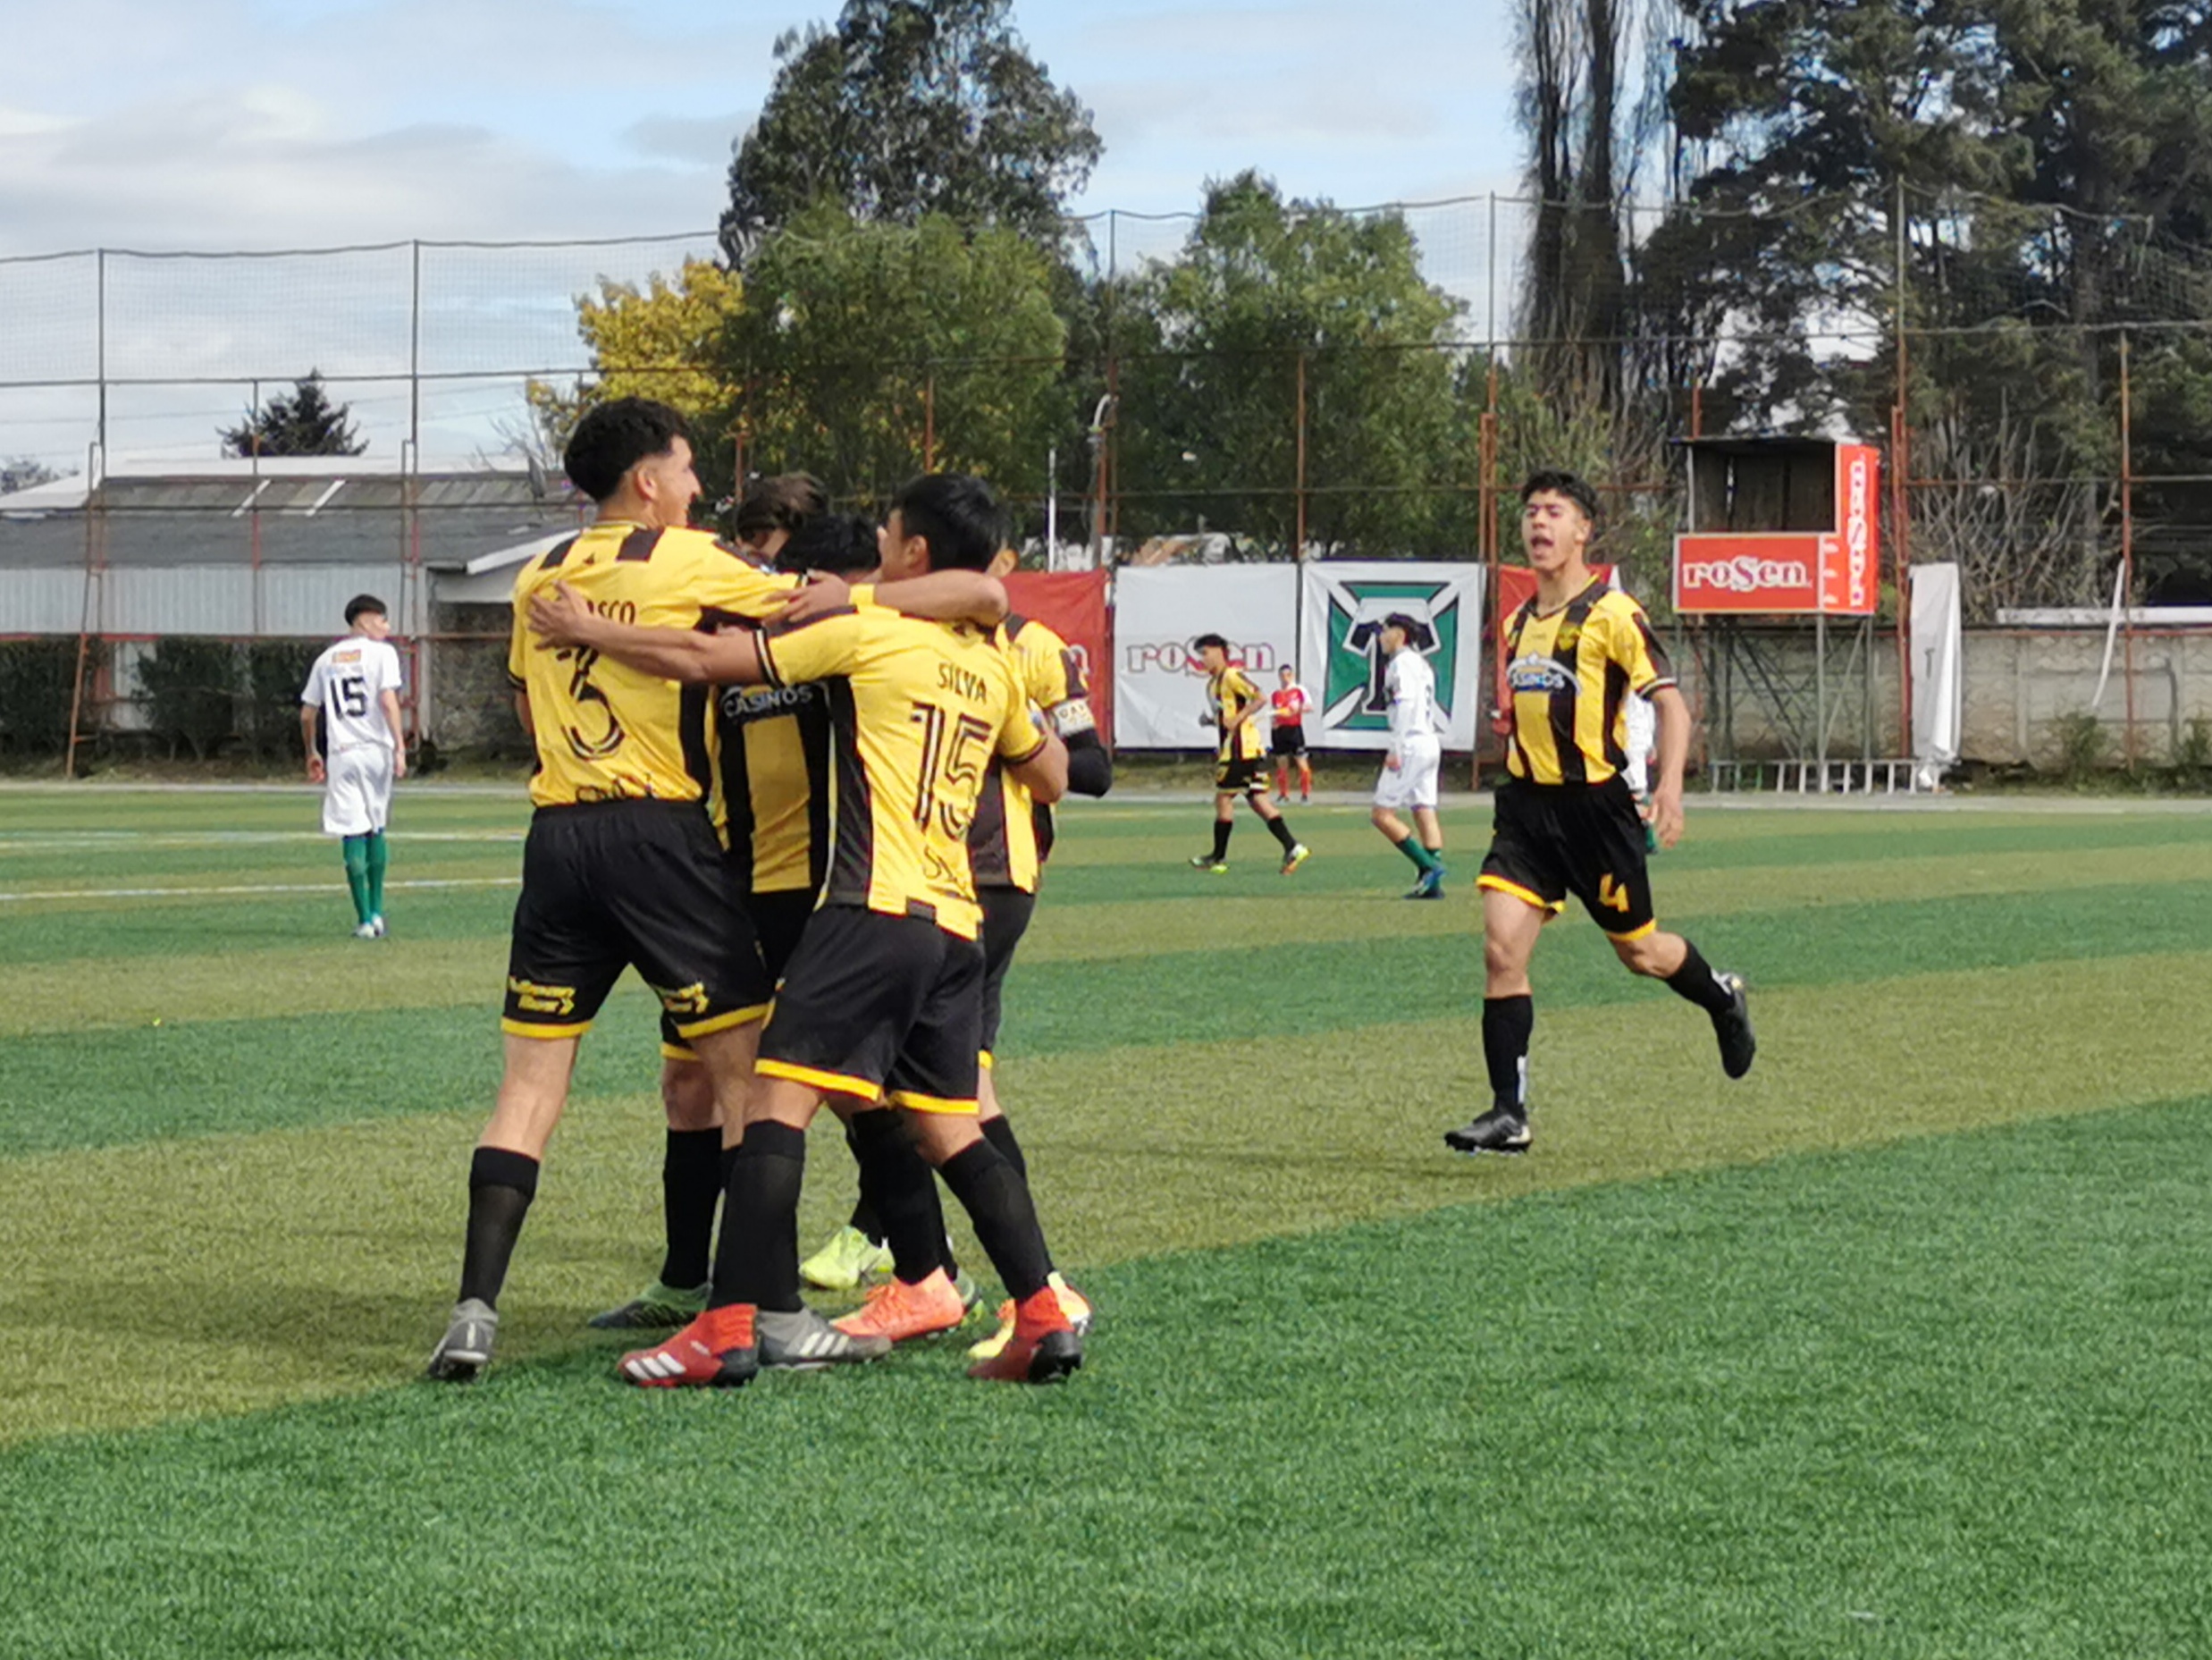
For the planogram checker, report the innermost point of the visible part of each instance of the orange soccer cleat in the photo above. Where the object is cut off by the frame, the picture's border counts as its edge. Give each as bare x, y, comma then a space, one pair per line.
898, 1311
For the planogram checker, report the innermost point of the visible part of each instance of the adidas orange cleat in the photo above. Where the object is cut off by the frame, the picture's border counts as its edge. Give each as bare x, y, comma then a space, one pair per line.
1043, 1348
898, 1311
719, 1349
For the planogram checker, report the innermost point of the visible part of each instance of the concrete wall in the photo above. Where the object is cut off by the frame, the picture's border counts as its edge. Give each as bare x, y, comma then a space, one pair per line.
2019, 684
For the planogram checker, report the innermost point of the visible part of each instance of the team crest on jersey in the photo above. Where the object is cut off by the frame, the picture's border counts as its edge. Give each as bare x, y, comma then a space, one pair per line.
1353, 696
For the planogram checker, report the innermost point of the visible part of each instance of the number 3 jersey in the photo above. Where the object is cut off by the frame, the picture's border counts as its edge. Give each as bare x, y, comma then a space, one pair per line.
605, 732
918, 711
348, 681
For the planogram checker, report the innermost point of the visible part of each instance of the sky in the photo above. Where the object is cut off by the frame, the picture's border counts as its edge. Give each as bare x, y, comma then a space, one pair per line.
166, 125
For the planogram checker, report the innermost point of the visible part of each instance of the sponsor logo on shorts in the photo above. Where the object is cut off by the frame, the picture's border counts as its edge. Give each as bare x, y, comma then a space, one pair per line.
691, 1000
532, 999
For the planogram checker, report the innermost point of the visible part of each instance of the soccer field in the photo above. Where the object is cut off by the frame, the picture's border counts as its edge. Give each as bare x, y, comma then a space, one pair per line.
1896, 1347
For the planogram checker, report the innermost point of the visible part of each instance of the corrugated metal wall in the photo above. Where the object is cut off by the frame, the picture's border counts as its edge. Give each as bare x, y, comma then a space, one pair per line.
299, 600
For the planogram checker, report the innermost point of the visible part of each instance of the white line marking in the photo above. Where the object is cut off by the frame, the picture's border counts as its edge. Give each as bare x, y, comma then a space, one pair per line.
210, 893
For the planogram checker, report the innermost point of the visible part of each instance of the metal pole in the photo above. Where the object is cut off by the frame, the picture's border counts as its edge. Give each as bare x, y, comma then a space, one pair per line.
929, 423
1820, 693
2127, 549
1900, 514
1298, 543
1052, 508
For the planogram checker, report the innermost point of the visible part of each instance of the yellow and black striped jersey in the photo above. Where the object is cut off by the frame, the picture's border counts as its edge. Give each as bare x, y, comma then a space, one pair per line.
1570, 674
607, 732
1012, 835
918, 710
1232, 693
772, 759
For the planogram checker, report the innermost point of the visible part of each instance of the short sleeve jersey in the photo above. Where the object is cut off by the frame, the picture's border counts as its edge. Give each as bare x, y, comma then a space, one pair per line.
1287, 704
1570, 673
1410, 683
1012, 835
1232, 693
605, 731
347, 683
918, 710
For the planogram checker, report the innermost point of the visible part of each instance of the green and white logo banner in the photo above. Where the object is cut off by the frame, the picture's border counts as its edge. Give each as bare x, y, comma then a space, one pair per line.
1341, 661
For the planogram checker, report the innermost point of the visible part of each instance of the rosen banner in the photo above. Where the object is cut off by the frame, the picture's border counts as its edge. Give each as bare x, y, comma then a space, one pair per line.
1345, 603
1072, 603
1159, 687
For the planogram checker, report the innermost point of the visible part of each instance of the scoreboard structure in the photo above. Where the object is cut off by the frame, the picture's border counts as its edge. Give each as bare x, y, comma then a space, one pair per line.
1780, 526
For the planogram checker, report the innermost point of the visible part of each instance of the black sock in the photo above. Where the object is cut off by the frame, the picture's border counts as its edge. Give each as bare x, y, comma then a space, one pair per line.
1508, 1023
1279, 829
863, 1216
897, 1181
997, 1202
999, 1133
500, 1186
1695, 981
757, 1260
691, 1186
1222, 827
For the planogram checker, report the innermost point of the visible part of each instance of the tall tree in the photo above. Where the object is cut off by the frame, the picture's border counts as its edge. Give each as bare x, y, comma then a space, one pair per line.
305, 422
911, 107
865, 350
1208, 423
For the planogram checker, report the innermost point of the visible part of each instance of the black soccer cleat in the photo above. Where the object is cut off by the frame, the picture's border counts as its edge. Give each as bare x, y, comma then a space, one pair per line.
1497, 1131
1732, 1026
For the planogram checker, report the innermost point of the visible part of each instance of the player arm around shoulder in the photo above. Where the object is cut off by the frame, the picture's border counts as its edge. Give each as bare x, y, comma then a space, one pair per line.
561, 617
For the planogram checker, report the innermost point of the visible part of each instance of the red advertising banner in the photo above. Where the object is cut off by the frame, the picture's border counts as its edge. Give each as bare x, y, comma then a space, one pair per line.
1777, 571
1072, 603
1851, 579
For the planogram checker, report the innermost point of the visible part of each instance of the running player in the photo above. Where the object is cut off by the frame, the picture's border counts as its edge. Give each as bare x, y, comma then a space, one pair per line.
881, 1000
1566, 822
1408, 776
1239, 768
355, 688
1009, 843
1286, 709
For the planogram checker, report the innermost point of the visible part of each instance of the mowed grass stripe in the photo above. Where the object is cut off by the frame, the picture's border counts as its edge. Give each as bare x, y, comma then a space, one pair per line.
316, 1261
1944, 1399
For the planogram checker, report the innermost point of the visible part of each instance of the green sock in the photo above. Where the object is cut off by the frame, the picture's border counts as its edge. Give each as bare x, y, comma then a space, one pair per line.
379, 857
1423, 859
1436, 856
357, 876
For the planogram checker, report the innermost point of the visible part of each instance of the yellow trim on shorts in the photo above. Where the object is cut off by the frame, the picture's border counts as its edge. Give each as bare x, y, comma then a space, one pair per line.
1498, 884
984, 1058
679, 1052
527, 1029
1651, 927
965, 1106
721, 1022
833, 1082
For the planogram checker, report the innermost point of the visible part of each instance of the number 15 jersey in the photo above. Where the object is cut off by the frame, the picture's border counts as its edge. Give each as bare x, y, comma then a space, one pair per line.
918, 711
606, 732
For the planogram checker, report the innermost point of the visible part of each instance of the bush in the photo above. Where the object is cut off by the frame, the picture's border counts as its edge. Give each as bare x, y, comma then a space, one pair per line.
269, 719
38, 682
2082, 744
190, 689
2192, 751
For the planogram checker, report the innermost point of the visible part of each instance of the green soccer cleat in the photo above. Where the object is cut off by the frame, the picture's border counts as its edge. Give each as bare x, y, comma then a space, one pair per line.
1207, 863
849, 1259
1298, 854
657, 1308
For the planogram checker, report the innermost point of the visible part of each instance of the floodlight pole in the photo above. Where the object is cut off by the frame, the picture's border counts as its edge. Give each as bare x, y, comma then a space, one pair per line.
2127, 548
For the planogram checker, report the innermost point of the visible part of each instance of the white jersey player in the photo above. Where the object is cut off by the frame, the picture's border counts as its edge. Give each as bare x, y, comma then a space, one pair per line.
1409, 778
355, 688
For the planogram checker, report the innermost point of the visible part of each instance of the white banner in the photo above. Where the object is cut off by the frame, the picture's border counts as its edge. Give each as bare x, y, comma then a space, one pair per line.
1341, 663
1159, 686
1938, 669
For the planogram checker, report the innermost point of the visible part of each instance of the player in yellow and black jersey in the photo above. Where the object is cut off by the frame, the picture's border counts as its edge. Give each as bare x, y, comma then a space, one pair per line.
1566, 822
621, 867
1241, 762
880, 1000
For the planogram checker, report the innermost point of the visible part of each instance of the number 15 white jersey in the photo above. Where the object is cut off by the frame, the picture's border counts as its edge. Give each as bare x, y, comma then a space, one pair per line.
348, 681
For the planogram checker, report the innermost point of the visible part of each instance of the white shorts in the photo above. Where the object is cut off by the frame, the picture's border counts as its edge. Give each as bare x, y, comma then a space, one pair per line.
1412, 783
357, 799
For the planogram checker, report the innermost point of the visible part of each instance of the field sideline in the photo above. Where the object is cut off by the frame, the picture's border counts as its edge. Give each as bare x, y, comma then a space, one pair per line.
1895, 1348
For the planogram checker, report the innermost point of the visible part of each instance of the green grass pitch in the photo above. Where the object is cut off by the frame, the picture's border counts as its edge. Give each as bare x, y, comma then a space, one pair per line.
1895, 1348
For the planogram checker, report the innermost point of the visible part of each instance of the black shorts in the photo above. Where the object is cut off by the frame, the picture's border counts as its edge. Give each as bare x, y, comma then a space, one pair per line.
1289, 743
609, 885
1239, 775
779, 918
1006, 913
880, 1007
1549, 840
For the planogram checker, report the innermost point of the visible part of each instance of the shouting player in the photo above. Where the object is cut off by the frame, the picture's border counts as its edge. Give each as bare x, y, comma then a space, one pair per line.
1239, 768
1566, 822
355, 686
